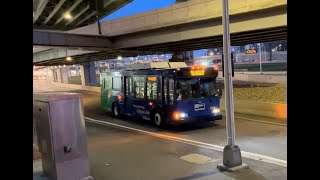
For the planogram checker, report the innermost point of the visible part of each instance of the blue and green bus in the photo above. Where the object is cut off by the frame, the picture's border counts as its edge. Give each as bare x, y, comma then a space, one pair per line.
163, 92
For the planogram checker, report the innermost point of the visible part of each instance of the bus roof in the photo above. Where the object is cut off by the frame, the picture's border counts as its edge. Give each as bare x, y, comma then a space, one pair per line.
157, 65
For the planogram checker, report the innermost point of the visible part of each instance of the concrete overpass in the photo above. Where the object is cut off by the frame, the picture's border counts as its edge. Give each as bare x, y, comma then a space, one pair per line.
64, 15
187, 26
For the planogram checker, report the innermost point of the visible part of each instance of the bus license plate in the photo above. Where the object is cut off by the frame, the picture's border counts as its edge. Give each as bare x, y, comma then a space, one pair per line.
199, 107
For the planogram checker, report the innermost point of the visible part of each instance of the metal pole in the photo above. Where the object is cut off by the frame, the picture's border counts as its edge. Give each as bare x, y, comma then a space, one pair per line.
265, 53
231, 152
228, 77
97, 16
260, 59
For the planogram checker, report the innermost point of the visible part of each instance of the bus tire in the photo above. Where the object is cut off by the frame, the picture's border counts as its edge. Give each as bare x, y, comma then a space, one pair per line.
115, 110
158, 119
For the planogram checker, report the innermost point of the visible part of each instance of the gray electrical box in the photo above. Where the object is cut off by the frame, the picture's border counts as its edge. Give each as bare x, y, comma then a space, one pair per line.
61, 135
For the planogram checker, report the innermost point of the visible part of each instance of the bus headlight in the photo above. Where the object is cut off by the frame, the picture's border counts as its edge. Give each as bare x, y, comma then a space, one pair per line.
183, 115
215, 110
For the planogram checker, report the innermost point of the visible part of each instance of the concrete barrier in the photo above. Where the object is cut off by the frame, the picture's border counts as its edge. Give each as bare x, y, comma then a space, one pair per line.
256, 77
76, 86
274, 110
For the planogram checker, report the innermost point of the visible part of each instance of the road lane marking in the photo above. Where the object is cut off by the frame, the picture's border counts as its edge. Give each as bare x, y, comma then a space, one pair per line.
260, 121
245, 154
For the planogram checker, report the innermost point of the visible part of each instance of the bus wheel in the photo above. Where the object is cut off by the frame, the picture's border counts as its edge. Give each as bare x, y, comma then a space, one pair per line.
158, 119
115, 110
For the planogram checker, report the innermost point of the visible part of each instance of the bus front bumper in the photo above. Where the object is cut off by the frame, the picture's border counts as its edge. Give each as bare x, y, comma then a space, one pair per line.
195, 119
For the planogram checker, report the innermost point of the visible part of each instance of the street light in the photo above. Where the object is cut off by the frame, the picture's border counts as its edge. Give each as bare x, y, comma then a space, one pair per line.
67, 15
231, 152
68, 58
276, 48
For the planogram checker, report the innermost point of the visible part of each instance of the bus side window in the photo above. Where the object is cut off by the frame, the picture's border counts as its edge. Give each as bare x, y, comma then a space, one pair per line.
171, 90
116, 83
165, 90
152, 87
128, 86
139, 83
104, 83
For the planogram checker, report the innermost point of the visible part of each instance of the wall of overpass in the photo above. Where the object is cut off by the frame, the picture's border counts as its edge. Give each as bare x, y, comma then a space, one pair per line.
177, 14
175, 27
56, 53
190, 20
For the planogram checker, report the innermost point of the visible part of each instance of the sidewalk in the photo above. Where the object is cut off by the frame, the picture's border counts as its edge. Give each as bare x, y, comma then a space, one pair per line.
121, 154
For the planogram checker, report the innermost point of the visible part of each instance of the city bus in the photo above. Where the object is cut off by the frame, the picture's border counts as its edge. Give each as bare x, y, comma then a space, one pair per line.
163, 92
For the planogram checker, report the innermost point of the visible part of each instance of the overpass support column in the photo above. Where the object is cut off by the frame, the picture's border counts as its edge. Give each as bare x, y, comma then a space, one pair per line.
77, 71
49, 74
59, 75
88, 74
82, 75
64, 74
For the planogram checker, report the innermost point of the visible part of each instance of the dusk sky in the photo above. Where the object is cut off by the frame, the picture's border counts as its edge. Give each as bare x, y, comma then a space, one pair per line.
138, 6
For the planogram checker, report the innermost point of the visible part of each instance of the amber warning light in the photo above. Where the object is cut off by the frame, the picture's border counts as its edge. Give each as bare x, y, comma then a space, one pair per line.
216, 68
197, 71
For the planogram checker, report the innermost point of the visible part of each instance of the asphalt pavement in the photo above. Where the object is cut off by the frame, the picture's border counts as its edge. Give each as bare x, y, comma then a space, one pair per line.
138, 150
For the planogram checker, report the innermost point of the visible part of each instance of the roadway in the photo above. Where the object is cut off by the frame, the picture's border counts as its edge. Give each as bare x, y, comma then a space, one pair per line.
257, 139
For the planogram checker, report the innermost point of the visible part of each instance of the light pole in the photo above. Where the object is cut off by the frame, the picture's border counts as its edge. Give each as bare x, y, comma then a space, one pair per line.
260, 57
276, 49
231, 152
265, 54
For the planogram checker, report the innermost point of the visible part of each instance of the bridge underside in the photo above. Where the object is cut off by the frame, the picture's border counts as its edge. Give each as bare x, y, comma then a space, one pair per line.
252, 27
237, 39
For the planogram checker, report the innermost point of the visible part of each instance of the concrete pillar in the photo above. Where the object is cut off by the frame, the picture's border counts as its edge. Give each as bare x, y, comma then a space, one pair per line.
82, 75
64, 74
49, 74
89, 72
69, 71
77, 71
59, 75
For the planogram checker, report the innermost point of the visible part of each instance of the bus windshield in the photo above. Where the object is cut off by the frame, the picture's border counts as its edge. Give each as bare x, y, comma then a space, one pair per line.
193, 88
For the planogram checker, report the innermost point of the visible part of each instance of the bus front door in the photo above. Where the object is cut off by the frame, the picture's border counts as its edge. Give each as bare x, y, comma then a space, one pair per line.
128, 95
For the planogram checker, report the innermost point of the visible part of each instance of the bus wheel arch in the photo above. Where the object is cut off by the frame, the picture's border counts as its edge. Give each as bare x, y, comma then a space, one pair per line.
115, 109
157, 117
